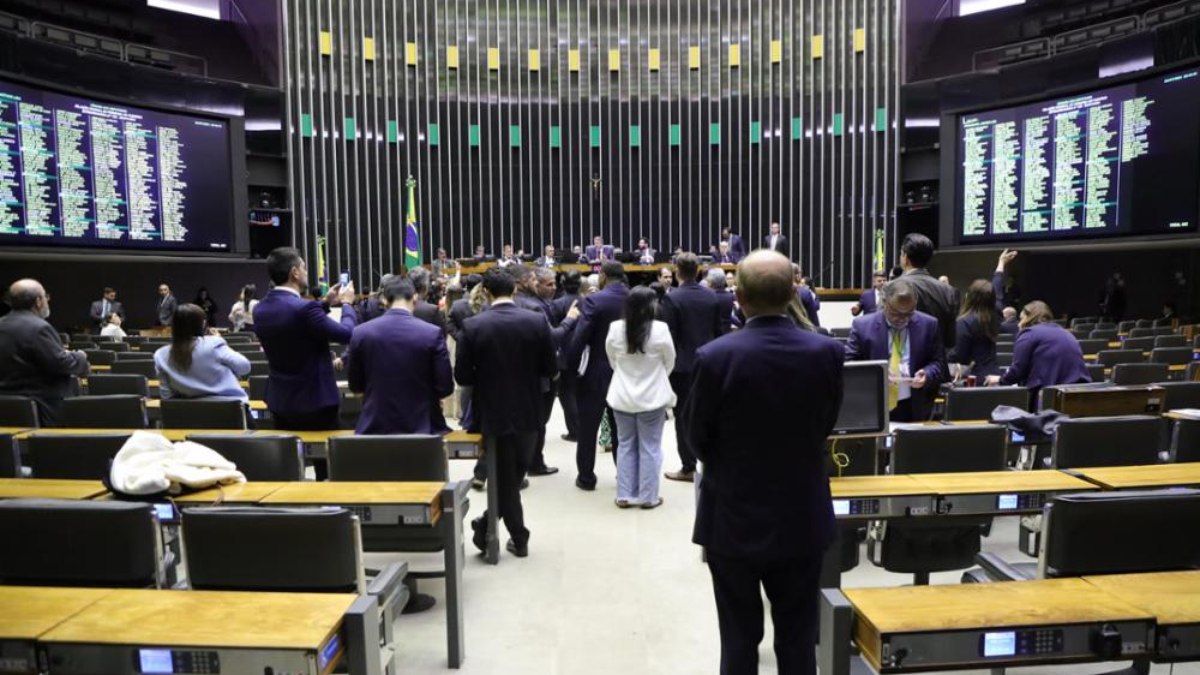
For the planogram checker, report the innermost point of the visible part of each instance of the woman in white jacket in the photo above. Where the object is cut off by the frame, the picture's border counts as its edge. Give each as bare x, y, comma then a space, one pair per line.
642, 356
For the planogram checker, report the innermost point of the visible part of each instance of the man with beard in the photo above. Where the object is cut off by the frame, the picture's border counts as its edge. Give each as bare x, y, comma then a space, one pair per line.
33, 361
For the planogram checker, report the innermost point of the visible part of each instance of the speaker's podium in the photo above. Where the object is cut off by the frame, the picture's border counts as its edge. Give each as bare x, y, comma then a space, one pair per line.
1103, 400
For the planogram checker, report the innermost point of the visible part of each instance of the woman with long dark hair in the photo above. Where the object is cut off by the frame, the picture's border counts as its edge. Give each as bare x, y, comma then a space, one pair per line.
241, 315
205, 302
642, 357
976, 329
198, 365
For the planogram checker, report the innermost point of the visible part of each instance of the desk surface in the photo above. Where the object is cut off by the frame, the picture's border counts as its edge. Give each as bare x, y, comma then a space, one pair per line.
238, 493
1151, 475
155, 404
460, 436
49, 488
995, 482
30, 611
912, 609
875, 486
1172, 415
425, 494
15, 431
207, 619
304, 436
1172, 597
169, 434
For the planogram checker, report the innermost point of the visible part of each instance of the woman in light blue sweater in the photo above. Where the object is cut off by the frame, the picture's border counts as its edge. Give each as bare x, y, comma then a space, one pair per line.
196, 365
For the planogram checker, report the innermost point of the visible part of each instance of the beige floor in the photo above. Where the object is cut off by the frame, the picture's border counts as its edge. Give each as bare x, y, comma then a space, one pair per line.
604, 591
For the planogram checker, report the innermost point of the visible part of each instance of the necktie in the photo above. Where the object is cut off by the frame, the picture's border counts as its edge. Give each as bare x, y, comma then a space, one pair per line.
894, 370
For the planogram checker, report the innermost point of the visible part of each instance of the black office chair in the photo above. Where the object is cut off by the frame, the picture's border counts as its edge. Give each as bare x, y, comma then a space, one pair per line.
841, 332
80, 337
977, 403
1140, 373
1106, 441
114, 411
121, 383
1112, 357
1119, 532
246, 347
260, 458
1173, 356
135, 340
50, 542
1096, 372
1161, 331
238, 338
255, 356
18, 411
1142, 331
920, 546
146, 369
10, 457
1004, 359
258, 387
1125, 326
1105, 334
1170, 341
206, 413
260, 368
1141, 344
73, 456
1082, 332
100, 357
116, 347
1185, 441
1105, 325
135, 356
1180, 395
1145, 323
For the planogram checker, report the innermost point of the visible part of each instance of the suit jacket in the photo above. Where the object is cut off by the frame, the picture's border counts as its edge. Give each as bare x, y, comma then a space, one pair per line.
166, 310
295, 334
1044, 355
644, 257
693, 313
812, 304
737, 247
401, 366
725, 301
1009, 327
562, 305
97, 312
781, 244
372, 309
936, 299
867, 303
460, 311
727, 259
870, 341
34, 363
430, 314
504, 353
593, 254
973, 346
597, 312
765, 494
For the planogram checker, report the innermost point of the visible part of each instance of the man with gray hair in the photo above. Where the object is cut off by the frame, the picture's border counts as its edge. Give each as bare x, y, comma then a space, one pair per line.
419, 276
911, 343
720, 286
33, 361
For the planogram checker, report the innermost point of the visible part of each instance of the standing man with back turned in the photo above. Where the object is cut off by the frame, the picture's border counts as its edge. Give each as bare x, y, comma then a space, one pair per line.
935, 298
765, 516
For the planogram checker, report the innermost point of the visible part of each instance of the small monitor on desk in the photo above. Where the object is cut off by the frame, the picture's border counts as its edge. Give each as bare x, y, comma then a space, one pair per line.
864, 398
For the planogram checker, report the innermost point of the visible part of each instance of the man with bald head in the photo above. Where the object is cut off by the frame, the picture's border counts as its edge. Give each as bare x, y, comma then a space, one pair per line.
33, 361
764, 515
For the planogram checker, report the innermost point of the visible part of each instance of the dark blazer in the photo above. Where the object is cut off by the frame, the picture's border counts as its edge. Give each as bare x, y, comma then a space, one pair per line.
764, 494
504, 354
430, 314
1044, 355
972, 345
592, 253
729, 258
936, 299
870, 341
812, 304
372, 309
166, 309
562, 305
97, 312
781, 244
1010, 327
692, 312
597, 312
295, 334
866, 301
460, 311
34, 363
737, 248
402, 367
724, 312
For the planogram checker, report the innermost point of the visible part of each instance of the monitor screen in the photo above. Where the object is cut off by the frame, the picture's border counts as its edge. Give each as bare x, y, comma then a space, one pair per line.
999, 644
95, 174
864, 398
1114, 161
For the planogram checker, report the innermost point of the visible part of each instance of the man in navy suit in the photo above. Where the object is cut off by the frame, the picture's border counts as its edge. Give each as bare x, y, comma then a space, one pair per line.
775, 241
868, 302
764, 515
401, 366
597, 312
737, 248
598, 251
911, 342
427, 312
295, 333
692, 312
503, 354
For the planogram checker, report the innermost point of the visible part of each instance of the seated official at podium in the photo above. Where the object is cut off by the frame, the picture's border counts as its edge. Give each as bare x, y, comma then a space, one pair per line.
598, 251
644, 255
870, 299
1044, 354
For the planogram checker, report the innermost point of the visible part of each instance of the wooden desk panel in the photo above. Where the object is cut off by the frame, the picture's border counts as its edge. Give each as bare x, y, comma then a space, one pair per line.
207, 619
304, 436
851, 487
997, 482
27, 612
1172, 597
50, 488
155, 404
1149, 476
15, 431
239, 493
361, 494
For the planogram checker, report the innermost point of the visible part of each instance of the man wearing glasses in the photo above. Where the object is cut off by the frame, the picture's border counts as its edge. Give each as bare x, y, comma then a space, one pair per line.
911, 344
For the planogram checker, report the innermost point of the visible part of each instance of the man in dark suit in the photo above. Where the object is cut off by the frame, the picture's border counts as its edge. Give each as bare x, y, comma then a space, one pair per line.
548, 258
166, 305
764, 515
725, 299
737, 248
1009, 326
33, 361
374, 307
598, 251
910, 342
597, 312
105, 307
935, 298
295, 333
536, 287
568, 378
503, 354
692, 312
775, 241
401, 366
429, 313
724, 256
460, 311
869, 301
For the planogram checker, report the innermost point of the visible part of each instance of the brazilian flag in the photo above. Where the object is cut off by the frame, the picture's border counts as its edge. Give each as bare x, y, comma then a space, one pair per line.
412, 238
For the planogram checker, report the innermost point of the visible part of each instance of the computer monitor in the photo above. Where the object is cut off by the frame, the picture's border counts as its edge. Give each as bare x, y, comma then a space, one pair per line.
864, 398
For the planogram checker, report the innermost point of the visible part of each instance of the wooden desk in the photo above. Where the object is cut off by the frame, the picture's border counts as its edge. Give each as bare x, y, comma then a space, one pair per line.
156, 404
414, 503
50, 488
306, 437
99, 369
998, 492
464, 445
27, 613
1149, 476
169, 434
15, 431
874, 497
240, 493
1174, 600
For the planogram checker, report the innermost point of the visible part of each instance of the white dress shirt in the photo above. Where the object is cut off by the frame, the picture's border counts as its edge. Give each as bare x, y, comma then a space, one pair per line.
640, 381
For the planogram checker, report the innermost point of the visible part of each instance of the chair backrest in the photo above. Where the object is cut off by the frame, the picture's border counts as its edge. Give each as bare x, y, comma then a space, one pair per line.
1083, 321
1004, 359
1121, 532
1163, 331
259, 368
113, 411
208, 413
977, 403
842, 332
100, 357
1096, 372
50, 542
1111, 357
1185, 441
135, 356
143, 368
1196, 342
1193, 371
1081, 332
117, 383
1106, 441
73, 456
1180, 395
1141, 344
1090, 346
258, 387
1170, 341
1105, 325
119, 347
253, 357
416, 457
1145, 323
10, 457
1177, 356
1140, 373
1126, 326
938, 449
18, 411
138, 340
272, 549
238, 338
260, 458
1141, 331
246, 347
1105, 334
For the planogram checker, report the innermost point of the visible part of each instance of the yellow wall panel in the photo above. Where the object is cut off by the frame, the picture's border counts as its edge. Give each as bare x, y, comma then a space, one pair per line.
655, 59
818, 46
860, 40
452, 56
325, 41
573, 60
535, 60
493, 58
693, 57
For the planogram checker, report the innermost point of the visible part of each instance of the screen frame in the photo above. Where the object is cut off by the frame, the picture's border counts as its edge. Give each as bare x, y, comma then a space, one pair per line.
881, 395
949, 159
239, 236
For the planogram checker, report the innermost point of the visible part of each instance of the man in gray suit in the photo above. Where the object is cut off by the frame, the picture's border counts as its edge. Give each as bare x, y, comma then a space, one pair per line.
934, 297
166, 305
105, 307
33, 361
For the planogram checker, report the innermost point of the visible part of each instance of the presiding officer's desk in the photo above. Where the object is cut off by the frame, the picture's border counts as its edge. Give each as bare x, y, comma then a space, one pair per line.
998, 492
1174, 600
50, 488
1146, 476
1019, 623
193, 632
27, 613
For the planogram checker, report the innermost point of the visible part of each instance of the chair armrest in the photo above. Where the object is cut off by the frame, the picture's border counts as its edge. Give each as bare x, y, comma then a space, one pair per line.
455, 493
998, 569
387, 586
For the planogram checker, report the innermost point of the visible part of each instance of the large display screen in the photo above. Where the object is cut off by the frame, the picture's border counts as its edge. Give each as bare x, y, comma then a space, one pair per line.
1123, 160
87, 173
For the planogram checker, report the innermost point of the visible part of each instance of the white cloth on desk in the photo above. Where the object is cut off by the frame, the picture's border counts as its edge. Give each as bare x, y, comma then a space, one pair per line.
148, 464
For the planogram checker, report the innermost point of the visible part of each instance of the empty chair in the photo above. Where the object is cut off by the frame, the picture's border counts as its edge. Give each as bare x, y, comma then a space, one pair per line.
1163, 331
238, 338
1093, 346
1105, 334
1142, 331
1004, 359
258, 387
260, 458
259, 368
135, 356
1174, 356
1170, 341
1180, 395
1145, 323
1140, 373
1105, 325
843, 332
1193, 372
1196, 342
1081, 333
1185, 441
1141, 344
52, 542
114, 411
1105, 441
75, 456
1126, 326
246, 347
1096, 372
100, 357
81, 337
1083, 321
10, 457
206, 413
253, 357
977, 403
116, 346
118, 383
1111, 357
18, 411
143, 368
135, 340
